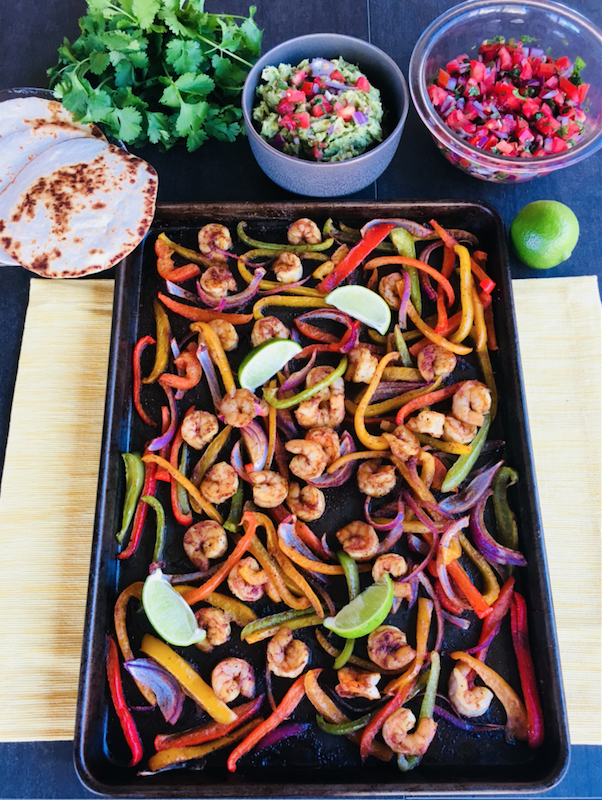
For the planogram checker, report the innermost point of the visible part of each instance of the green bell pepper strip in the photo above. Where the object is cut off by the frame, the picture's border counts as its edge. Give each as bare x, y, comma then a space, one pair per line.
232, 524
402, 347
407, 763
270, 395
289, 248
343, 728
505, 521
134, 480
182, 493
405, 245
282, 618
458, 472
352, 577
160, 514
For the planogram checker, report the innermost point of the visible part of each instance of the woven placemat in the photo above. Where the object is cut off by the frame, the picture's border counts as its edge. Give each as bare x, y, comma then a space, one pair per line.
48, 492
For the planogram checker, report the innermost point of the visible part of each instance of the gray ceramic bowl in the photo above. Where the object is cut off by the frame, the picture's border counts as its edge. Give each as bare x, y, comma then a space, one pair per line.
331, 179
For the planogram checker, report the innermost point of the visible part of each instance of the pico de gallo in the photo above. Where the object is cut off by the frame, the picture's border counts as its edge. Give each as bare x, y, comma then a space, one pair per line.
513, 99
319, 110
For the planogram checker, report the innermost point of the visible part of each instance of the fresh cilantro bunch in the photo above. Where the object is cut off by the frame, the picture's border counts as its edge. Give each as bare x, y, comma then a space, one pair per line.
158, 70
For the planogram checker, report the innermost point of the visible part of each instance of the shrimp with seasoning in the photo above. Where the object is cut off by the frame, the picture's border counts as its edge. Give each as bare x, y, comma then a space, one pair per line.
466, 701
376, 479
269, 488
249, 591
362, 365
456, 431
231, 678
199, 428
217, 282
329, 441
217, 625
389, 649
307, 503
309, 461
396, 567
326, 409
396, 733
429, 422
303, 230
268, 328
471, 402
189, 369
286, 657
434, 361
241, 407
204, 540
387, 289
226, 333
355, 682
288, 268
212, 238
219, 484
358, 540
403, 442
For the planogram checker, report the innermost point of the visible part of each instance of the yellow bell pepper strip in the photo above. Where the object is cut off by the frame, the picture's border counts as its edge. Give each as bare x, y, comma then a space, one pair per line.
270, 567
134, 480
489, 379
197, 314
165, 265
119, 616
235, 609
287, 705
404, 353
185, 252
209, 457
526, 670
458, 472
505, 522
517, 722
267, 285
128, 726
454, 448
216, 351
466, 286
149, 488
288, 302
367, 439
478, 603
479, 332
137, 378
194, 493
270, 395
163, 343
312, 564
288, 248
426, 330
373, 237
352, 577
426, 460
287, 618
188, 678
294, 576
359, 455
160, 536
401, 373
491, 586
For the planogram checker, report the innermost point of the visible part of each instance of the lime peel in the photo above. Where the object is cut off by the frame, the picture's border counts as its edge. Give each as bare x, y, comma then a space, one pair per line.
265, 360
363, 304
365, 612
168, 612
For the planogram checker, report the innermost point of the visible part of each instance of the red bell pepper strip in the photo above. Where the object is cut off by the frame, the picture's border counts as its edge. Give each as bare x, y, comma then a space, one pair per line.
148, 490
379, 719
494, 620
526, 670
486, 284
469, 590
447, 267
137, 371
426, 400
165, 265
128, 726
181, 517
202, 314
374, 236
287, 705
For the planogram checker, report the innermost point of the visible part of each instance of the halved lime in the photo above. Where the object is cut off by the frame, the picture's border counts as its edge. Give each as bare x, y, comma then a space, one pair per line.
168, 612
363, 304
264, 361
365, 613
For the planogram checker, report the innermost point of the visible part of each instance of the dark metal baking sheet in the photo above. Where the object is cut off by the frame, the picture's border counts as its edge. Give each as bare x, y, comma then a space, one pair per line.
312, 765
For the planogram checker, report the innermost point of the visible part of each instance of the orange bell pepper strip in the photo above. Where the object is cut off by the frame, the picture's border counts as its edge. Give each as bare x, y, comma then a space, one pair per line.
374, 263
426, 400
137, 378
426, 330
194, 493
447, 267
216, 351
165, 265
288, 704
370, 441
197, 314
478, 603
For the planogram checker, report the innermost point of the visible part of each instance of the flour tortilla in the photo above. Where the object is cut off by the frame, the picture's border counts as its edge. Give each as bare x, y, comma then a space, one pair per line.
23, 113
77, 208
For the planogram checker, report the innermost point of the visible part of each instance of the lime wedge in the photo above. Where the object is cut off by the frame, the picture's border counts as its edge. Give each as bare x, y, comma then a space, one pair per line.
168, 612
264, 361
365, 613
363, 304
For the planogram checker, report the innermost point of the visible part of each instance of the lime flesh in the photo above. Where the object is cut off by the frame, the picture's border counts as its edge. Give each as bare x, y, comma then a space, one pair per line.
362, 304
365, 613
264, 361
168, 612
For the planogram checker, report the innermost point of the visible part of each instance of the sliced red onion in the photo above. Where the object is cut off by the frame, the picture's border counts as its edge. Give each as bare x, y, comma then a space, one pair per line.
237, 464
170, 696
256, 443
360, 118
341, 475
321, 67
391, 539
464, 724
403, 301
446, 539
233, 300
176, 290
387, 389
470, 496
387, 526
165, 438
288, 534
280, 455
486, 544
420, 514
297, 378
419, 568
286, 424
204, 358
175, 349
284, 731
459, 622
284, 287
418, 231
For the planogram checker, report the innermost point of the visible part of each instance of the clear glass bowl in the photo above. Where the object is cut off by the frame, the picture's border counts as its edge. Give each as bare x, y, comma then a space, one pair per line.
462, 29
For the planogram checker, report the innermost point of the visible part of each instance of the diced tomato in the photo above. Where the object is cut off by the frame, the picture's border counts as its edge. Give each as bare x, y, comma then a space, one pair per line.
582, 91
335, 75
505, 58
470, 111
526, 136
437, 94
477, 70
505, 93
526, 72
295, 95
285, 107
443, 78
547, 125
563, 63
302, 118
316, 151
457, 119
572, 128
307, 88
317, 110
506, 148
491, 142
363, 84
489, 51
287, 121
346, 112
546, 70
531, 106
570, 90
299, 76
558, 145
453, 66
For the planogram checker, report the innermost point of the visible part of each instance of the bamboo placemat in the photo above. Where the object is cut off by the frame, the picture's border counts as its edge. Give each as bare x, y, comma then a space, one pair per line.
49, 487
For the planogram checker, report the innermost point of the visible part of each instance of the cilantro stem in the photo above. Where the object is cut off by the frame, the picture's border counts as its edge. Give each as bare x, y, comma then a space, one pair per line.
216, 46
124, 13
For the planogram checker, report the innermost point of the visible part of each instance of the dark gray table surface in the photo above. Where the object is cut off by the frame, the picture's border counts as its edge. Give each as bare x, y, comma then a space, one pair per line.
31, 31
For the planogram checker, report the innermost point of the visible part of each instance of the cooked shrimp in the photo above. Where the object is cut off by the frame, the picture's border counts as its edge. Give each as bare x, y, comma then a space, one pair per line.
396, 733
357, 683
376, 479
358, 540
226, 333
468, 702
288, 268
240, 586
217, 282
268, 328
389, 649
325, 409
189, 370
220, 483
217, 625
307, 503
428, 422
199, 428
329, 441
361, 366
396, 567
287, 657
269, 488
231, 678
456, 431
303, 230
309, 461
387, 289
204, 540
403, 443
214, 236
241, 407
251, 572
434, 360
471, 402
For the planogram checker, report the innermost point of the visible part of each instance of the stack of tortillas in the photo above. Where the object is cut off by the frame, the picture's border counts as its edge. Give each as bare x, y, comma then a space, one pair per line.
70, 203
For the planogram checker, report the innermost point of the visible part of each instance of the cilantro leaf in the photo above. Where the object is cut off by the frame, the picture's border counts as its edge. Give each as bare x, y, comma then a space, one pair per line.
195, 84
145, 12
128, 122
157, 125
183, 55
190, 117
